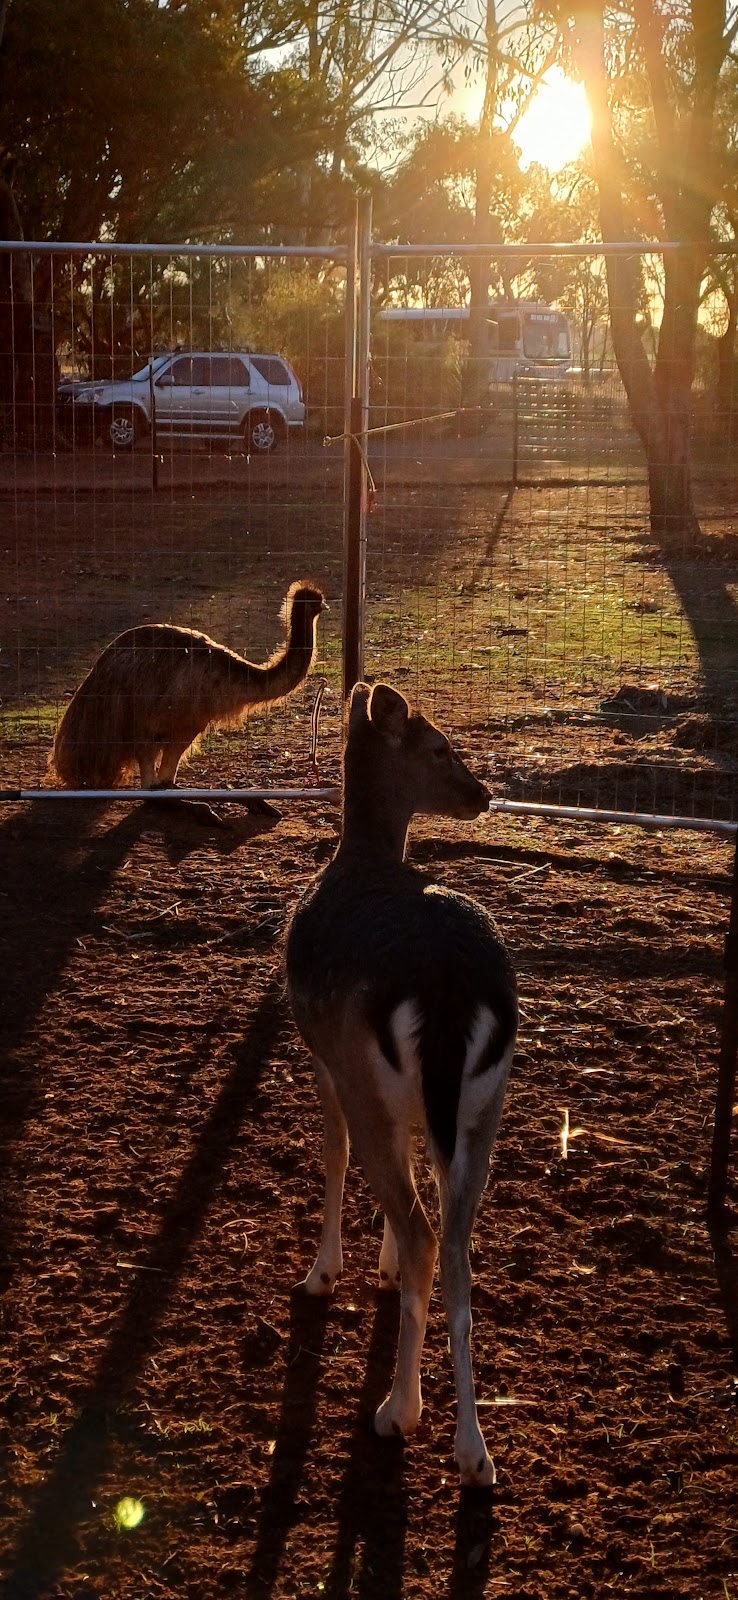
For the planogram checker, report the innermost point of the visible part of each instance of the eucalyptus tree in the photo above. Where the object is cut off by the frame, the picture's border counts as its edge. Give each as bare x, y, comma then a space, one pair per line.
138, 120
653, 71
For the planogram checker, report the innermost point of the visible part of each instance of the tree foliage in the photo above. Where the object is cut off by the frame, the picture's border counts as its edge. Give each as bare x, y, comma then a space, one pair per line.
653, 71
141, 121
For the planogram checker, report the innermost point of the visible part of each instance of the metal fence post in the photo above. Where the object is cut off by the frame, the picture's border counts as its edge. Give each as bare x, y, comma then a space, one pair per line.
720, 1154
358, 309
516, 431
153, 429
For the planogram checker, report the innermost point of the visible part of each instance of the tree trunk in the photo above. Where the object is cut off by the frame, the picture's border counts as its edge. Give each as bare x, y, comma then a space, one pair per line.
658, 399
16, 323
28, 367
726, 356
486, 227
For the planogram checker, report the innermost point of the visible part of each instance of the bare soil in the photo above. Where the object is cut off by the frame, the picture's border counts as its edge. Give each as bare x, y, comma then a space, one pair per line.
160, 1178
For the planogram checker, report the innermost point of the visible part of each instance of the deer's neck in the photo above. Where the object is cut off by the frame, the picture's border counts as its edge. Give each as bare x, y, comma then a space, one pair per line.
374, 825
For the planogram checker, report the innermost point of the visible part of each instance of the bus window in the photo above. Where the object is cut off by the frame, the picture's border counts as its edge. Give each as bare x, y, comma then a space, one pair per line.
509, 335
546, 337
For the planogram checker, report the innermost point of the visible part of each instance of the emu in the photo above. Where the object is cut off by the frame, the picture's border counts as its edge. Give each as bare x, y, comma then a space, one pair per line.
156, 688
406, 997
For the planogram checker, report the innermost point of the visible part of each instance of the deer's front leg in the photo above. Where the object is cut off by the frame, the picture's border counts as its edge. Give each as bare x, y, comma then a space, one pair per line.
322, 1276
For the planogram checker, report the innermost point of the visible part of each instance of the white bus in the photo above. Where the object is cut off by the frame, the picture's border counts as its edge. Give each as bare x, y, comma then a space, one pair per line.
524, 337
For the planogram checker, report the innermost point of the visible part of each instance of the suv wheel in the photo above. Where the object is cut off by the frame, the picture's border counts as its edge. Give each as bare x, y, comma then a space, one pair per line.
124, 427
262, 432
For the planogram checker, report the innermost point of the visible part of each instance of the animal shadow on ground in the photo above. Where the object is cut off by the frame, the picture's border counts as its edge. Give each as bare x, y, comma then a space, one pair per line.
47, 1543
372, 1499
475, 1528
55, 873
56, 869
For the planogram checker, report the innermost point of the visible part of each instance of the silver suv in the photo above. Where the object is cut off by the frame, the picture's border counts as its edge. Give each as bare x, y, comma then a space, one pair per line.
194, 394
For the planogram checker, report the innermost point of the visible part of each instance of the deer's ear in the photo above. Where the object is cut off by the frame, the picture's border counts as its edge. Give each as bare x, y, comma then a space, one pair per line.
388, 710
359, 705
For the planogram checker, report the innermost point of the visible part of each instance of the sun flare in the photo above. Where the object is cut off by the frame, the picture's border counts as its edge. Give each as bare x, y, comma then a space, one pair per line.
557, 125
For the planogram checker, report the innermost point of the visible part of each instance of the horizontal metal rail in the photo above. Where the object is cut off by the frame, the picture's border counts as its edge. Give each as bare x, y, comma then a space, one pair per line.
321, 252
306, 793
332, 793
493, 252
633, 819
338, 252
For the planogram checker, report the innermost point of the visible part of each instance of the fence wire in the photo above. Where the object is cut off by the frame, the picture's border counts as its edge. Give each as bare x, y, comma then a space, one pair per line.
513, 581
195, 494
514, 587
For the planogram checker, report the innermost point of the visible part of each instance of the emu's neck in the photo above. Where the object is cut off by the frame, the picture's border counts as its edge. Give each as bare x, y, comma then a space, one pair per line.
290, 663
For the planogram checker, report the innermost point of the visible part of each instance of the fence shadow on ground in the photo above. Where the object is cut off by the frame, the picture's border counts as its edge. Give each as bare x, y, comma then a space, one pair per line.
48, 860
723, 1240
53, 859
47, 1543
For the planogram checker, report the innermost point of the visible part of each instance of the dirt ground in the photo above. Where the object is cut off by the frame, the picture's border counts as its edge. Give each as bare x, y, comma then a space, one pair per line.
160, 1169
161, 1198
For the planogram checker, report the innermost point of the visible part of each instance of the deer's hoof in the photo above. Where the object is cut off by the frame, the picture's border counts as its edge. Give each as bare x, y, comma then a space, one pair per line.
479, 1473
319, 1281
389, 1280
393, 1421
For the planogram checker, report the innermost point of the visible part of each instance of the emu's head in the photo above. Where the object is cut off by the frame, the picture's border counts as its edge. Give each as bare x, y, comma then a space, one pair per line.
304, 602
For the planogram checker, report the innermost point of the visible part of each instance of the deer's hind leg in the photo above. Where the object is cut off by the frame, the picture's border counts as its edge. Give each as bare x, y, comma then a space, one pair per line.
387, 1164
389, 1261
322, 1276
461, 1188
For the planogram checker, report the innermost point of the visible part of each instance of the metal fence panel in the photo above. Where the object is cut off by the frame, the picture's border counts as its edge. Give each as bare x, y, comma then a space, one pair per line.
109, 522
514, 584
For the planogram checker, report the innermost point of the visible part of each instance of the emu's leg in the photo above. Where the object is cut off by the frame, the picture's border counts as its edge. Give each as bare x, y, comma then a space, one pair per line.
147, 756
389, 1264
171, 755
329, 1261
460, 1196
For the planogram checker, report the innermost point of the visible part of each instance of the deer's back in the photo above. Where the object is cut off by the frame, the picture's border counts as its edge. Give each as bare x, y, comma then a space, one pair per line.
363, 943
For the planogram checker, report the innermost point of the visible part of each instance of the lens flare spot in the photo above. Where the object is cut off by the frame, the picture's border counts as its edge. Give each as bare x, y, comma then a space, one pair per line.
129, 1512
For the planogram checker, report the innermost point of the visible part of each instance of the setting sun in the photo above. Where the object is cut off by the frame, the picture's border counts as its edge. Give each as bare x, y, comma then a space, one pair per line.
557, 124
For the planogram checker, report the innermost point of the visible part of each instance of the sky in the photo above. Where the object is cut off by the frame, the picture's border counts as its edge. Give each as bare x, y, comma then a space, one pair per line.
556, 126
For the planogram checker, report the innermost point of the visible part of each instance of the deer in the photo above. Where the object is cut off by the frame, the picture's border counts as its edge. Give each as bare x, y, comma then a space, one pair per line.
157, 688
405, 995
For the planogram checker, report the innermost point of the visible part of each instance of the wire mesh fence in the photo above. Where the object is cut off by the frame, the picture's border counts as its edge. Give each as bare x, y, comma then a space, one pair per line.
513, 578
163, 418
162, 414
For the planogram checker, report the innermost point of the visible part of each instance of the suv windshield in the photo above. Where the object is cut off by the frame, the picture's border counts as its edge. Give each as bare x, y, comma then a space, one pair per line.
143, 373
